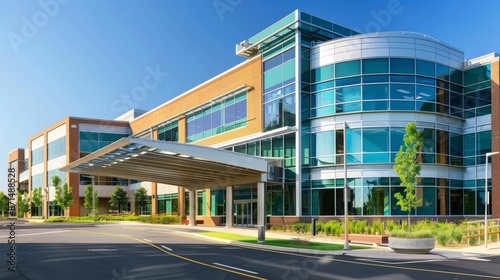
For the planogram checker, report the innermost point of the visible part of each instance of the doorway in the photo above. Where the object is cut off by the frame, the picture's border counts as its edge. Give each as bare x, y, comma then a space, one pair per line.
245, 213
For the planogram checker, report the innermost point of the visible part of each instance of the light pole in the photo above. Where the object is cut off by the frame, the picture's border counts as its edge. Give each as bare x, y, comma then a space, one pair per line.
346, 188
486, 200
93, 195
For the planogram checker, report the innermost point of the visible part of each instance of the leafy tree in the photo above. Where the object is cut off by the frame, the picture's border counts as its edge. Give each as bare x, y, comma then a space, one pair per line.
141, 197
89, 201
36, 197
118, 198
408, 168
23, 204
64, 194
4, 203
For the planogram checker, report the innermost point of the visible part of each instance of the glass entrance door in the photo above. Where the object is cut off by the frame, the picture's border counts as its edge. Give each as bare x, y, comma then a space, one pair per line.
245, 213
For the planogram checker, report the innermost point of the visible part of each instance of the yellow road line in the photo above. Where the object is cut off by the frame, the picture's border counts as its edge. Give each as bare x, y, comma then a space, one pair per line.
174, 255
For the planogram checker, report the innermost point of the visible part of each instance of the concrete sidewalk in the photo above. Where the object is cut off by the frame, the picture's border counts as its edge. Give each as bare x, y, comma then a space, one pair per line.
379, 253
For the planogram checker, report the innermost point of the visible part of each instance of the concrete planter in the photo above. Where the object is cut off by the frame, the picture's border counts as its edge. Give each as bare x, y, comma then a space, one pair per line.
406, 245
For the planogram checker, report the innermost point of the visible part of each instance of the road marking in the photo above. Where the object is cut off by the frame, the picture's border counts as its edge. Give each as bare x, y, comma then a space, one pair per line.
165, 247
148, 240
235, 268
102, 250
40, 233
476, 259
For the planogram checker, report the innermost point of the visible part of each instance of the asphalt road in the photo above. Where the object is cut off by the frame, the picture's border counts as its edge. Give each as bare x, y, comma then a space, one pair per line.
119, 252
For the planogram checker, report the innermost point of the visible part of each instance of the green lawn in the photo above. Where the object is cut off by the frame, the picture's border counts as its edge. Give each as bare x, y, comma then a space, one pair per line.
291, 243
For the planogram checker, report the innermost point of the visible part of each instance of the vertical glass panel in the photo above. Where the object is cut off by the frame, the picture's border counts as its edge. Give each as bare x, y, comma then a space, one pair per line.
273, 78
240, 110
469, 144
376, 199
375, 140
306, 209
348, 94
323, 73
349, 68
289, 110
277, 143
266, 148
353, 138
483, 142
272, 115
325, 147
373, 92
442, 72
442, 147
426, 68
456, 202
397, 135
428, 196
375, 66
470, 201
402, 65
289, 72
402, 91
323, 98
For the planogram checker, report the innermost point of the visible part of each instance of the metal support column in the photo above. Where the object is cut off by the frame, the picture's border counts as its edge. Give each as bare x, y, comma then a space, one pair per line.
229, 207
192, 208
261, 212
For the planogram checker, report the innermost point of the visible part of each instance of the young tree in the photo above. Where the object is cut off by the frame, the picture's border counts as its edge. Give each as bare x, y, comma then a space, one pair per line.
4, 203
37, 197
141, 197
91, 202
408, 169
118, 198
23, 204
64, 194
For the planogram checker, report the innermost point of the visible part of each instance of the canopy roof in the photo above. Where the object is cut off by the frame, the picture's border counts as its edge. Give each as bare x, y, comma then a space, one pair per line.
185, 165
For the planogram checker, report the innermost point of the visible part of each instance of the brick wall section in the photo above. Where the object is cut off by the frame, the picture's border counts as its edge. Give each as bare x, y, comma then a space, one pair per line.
495, 141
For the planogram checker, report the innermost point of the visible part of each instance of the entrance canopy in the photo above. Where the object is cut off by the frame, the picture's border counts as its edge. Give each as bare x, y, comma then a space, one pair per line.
186, 165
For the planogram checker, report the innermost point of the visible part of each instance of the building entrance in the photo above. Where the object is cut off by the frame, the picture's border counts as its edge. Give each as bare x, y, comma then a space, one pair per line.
245, 213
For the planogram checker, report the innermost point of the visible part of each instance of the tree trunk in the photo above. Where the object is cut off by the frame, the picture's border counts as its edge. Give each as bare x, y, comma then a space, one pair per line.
409, 225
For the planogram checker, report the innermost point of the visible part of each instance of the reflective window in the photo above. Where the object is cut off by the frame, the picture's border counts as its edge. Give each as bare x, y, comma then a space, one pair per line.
56, 148
349, 68
323, 73
402, 65
426, 68
442, 72
477, 75
373, 92
348, 94
169, 132
375, 66
220, 117
402, 91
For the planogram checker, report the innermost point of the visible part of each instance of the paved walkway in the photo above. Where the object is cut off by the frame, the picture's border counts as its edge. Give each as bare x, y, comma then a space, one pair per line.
377, 252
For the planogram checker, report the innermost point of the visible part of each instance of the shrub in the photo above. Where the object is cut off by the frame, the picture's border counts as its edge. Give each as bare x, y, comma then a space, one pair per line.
456, 235
56, 220
390, 225
443, 237
319, 226
378, 227
413, 234
301, 227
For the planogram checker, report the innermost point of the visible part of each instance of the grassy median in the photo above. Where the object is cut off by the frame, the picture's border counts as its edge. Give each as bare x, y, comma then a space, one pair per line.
291, 243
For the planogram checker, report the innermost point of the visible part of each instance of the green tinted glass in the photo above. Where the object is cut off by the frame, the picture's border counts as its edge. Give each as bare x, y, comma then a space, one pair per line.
375, 66
349, 68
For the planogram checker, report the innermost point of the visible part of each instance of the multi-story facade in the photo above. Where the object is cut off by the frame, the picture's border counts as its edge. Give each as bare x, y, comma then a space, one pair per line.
327, 107
58, 145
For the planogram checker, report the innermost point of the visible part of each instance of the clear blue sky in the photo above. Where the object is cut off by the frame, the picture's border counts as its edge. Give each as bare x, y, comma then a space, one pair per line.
81, 57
